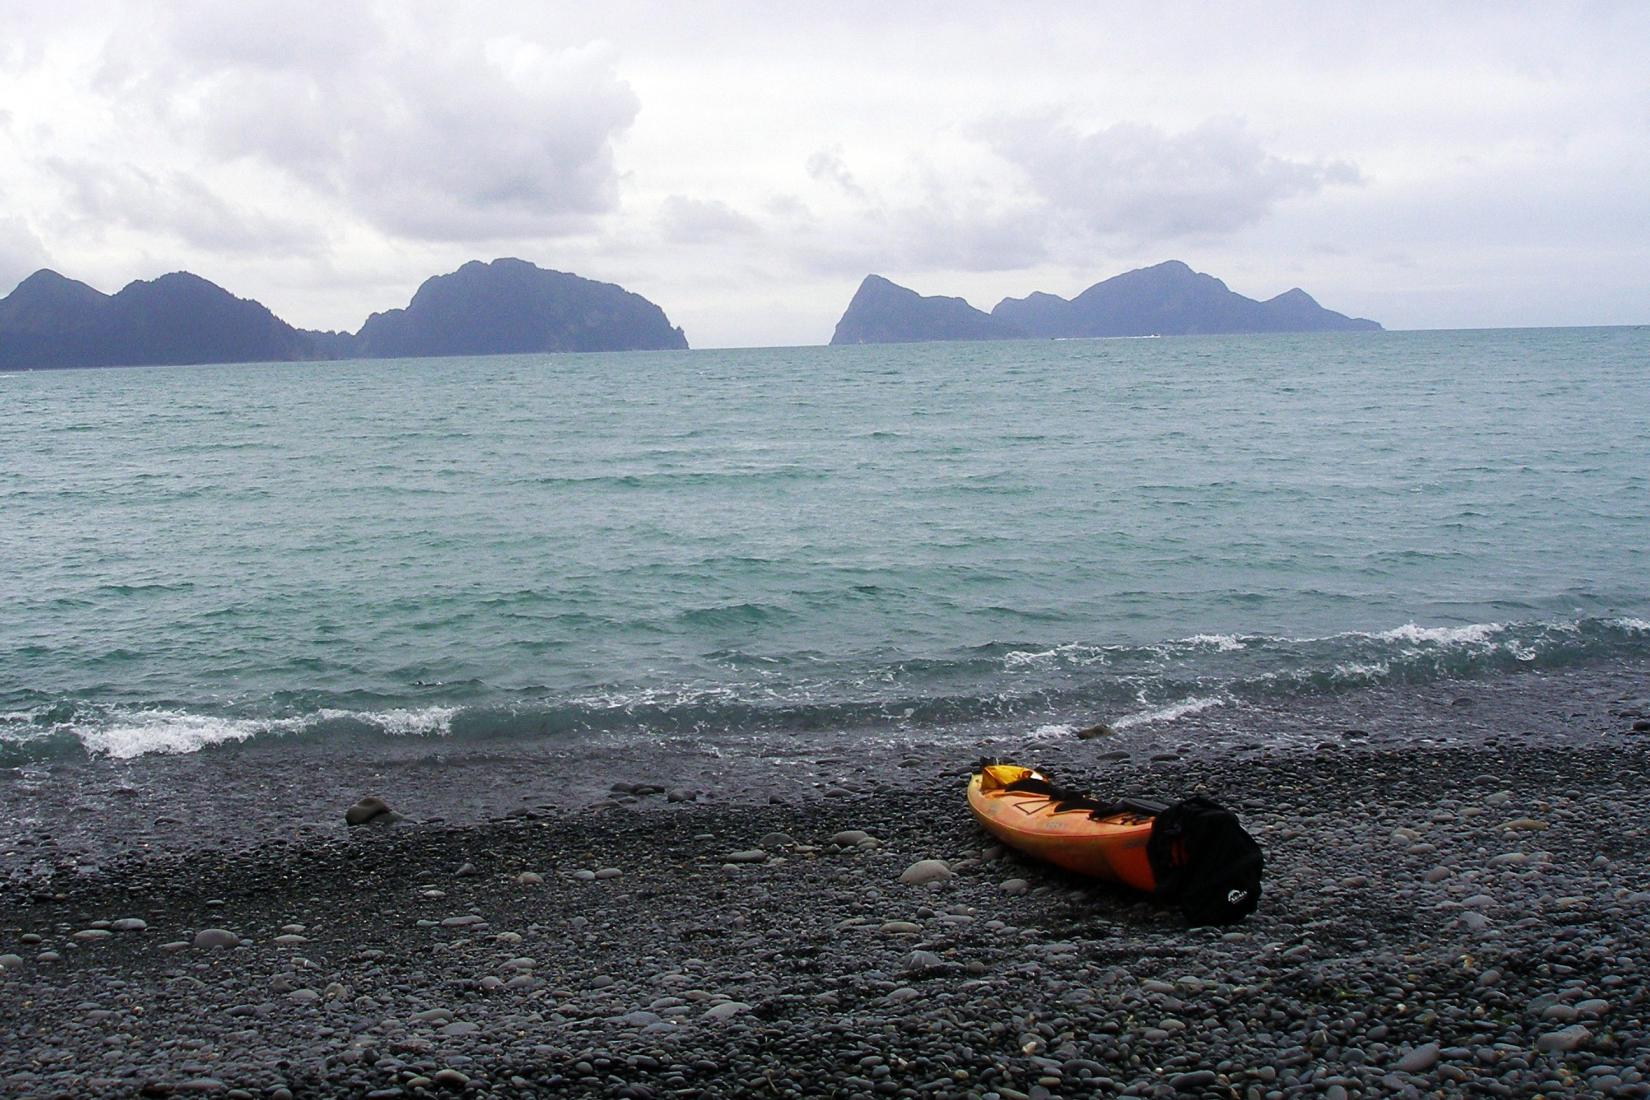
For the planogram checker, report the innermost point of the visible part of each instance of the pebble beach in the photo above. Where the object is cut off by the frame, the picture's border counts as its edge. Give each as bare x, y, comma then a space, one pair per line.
1459, 913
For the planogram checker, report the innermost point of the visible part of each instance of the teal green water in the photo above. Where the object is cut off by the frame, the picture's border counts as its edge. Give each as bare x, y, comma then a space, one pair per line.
773, 542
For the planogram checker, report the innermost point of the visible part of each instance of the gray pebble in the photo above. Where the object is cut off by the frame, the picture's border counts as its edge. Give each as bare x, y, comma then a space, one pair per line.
216, 937
925, 871
726, 1010
1563, 1040
370, 809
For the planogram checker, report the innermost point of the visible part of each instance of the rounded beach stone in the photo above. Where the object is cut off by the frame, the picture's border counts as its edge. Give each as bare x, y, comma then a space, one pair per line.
924, 871
370, 808
530, 878
750, 855
216, 937
130, 924
10, 962
1421, 1059
726, 1010
849, 838
1563, 1040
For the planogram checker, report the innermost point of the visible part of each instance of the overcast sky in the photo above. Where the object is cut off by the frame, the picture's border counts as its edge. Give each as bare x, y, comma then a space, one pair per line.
744, 165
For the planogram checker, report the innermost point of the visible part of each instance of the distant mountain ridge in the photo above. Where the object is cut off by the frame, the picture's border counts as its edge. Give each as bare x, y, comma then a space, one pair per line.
1167, 299
481, 309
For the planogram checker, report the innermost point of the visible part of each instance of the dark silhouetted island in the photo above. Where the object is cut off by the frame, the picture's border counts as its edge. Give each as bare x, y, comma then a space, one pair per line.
513, 306
481, 309
887, 313
1168, 299
51, 321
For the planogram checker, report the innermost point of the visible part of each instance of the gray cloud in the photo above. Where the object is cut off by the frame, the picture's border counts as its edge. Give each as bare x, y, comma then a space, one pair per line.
969, 239
313, 34
111, 194
1139, 182
918, 238
828, 166
21, 253
419, 132
1131, 183
948, 224
1503, 157
703, 221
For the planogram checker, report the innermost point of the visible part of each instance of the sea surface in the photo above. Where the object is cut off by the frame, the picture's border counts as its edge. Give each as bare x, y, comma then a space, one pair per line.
754, 548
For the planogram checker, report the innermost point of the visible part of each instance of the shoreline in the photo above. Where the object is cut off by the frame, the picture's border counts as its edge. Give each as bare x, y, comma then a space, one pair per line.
75, 816
1433, 914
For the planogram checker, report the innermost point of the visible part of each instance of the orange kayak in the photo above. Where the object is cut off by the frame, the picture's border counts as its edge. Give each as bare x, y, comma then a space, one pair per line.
1193, 853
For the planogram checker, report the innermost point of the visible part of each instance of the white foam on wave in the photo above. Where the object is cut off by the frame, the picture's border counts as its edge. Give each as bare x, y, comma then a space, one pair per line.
127, 734
1224, 643
429, 722
1353, 672
1074, 652
1637, 626
663, 697
135, 733
1054, 731
1170, 712
1473, 634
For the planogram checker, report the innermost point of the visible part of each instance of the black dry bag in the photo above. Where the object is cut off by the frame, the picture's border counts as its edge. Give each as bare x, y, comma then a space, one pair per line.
1204, 862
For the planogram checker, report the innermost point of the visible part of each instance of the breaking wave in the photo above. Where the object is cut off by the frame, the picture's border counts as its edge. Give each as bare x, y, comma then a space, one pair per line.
1049, 689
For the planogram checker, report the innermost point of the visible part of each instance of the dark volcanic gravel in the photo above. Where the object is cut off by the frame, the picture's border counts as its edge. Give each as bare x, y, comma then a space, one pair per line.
1452, 919
1464, 919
